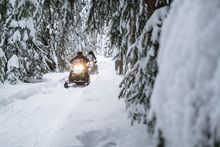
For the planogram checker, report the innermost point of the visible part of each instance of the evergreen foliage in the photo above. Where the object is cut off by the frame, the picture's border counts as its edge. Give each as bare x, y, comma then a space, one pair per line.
134, 31
40, 33
3, 61
37, 37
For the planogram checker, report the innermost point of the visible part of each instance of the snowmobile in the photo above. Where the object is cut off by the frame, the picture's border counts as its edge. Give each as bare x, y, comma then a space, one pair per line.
79, 74
93, 67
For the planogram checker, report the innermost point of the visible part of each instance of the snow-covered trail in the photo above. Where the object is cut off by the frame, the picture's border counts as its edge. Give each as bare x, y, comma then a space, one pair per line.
47, 115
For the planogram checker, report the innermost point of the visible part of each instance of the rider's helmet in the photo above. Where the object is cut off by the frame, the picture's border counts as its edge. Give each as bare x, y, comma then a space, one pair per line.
79, 53
91, 52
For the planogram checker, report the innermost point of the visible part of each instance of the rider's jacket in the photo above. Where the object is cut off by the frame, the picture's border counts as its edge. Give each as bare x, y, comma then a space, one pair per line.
91, 57
80, 57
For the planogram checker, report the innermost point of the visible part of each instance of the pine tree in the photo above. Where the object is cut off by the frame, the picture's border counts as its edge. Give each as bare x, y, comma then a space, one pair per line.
134, 30
141, 67
19, 37
39, 33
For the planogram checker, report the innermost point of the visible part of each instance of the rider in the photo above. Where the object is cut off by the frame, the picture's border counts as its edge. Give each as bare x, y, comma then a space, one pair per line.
93, 67
91, 56
78, 70
79, 56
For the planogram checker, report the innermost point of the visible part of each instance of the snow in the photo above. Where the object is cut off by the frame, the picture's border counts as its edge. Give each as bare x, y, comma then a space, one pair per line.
2, 54
155, 21
13, 62
27, 23
22, 23
186, 100
25, 37
14, 24
3, 61
153, 24
46, 114
30, 26
12, 2
16, 37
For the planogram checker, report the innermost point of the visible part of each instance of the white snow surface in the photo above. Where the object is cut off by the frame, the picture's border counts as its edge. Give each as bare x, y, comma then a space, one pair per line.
48, 115
13, 62
2, 54
187, 90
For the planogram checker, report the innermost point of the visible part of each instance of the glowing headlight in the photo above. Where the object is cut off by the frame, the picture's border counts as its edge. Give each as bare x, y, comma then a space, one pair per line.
79, 67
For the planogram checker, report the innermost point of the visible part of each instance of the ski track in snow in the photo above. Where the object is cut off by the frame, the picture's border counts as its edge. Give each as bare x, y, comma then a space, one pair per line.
48, 115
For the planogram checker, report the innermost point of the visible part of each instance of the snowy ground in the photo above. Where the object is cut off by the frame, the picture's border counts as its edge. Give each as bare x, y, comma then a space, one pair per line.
47, 115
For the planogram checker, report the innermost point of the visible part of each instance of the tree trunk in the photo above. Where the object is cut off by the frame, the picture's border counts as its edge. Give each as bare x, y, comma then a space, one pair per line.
133, 31
150, 7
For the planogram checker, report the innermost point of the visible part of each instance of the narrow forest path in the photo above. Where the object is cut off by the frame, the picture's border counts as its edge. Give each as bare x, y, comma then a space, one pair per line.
48, 115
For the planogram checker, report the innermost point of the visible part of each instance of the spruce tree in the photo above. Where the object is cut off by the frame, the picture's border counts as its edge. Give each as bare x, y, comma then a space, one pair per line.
134, 31
40, 33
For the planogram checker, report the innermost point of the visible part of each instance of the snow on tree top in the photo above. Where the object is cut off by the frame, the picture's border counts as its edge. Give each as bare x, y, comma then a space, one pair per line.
155, 20
13, 62
12, 2
14, 24
16, 37
25, 23
2, 54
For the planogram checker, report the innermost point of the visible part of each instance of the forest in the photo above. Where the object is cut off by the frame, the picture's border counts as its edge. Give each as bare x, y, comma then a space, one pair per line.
166, 53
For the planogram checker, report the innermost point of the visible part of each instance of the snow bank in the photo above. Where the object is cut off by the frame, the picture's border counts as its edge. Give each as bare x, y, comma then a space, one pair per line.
187, 90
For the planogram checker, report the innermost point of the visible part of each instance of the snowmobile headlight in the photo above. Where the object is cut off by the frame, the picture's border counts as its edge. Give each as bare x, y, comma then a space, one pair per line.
78, 68
90, 63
